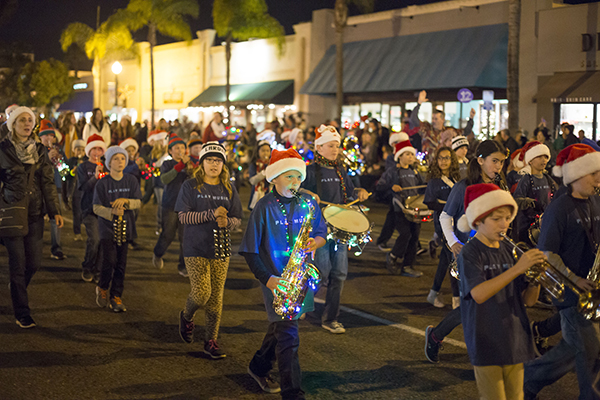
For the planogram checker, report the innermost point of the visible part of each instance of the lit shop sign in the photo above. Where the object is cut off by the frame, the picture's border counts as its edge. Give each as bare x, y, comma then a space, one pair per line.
80, 86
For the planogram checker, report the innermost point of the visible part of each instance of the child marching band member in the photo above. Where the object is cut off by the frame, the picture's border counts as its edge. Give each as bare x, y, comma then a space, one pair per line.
131, 146
195, 147
570, 235
460, 145
387, 230
78, 152
158, 155
115, 197
327, 180
512, 171
408, 232
206, 203
173, 173
534, 191
486, 167
272, 228
88, 174
494, 294
256, 171
444, 172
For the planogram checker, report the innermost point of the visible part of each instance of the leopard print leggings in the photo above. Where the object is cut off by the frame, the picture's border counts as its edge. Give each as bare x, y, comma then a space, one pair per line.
207, 277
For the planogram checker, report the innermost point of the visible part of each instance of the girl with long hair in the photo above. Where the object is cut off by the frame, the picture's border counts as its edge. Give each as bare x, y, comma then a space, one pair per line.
68, 128
207, 205
443, 174
97, 126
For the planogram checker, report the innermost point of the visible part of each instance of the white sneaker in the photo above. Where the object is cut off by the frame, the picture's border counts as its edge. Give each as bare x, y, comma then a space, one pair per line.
434, 298
78, 237
455, 302
334, 327
157, 262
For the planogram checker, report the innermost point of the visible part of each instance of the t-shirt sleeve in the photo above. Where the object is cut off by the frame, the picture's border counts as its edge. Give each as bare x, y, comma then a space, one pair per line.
254, 231
99, 194
522, 188
319, 226
136, 192
236, 205
553, 227
310, 183
349, 186
184, 198
470, 270
456, 197
430, 192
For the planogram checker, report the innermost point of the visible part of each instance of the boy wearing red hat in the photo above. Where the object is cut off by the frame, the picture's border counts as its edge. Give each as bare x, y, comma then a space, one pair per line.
327, 180
494, 293
173, 173
570, 234
396, 179
272, 230
88, 174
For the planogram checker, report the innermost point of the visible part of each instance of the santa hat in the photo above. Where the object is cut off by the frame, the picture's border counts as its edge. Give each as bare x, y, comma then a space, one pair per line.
14, 114
174, 139
459, 141
403, 147
94, 141
266, 135
77, 143
10, 109
294, 135
111, 151
532, 150
576, 161
157, 136
129, 142
46, 128
398, 137
283, 161
193, 142
326, 134
215, 149
481, 200
514, 158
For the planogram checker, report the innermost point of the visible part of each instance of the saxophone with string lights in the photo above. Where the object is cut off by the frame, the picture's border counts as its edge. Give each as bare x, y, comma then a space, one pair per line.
299, 274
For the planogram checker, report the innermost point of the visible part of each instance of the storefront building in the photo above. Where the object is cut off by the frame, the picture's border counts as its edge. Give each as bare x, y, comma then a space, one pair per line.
389, 57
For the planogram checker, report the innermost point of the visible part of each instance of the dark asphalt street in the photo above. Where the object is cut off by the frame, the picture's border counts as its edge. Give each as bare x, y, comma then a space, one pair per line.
79, 351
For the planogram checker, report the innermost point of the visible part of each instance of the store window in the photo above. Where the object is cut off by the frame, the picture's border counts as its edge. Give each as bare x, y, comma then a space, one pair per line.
425, 111
371, 108
396, 118
350, 114
580, 115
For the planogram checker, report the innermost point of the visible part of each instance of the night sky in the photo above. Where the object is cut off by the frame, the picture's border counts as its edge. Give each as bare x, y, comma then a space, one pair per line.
39, 23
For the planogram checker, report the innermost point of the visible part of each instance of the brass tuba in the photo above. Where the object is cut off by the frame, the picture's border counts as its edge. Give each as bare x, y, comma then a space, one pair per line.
556, 283
299, 274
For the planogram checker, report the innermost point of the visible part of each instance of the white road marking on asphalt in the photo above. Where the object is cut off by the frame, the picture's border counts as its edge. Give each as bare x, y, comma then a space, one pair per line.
403, 327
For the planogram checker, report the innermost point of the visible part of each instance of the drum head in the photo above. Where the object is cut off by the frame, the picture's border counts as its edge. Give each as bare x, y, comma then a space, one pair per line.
346, 219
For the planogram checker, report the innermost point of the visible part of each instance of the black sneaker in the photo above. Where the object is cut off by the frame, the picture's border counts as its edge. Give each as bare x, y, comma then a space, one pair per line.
58, 255
117, 305
421, 251
186, 329
183, 272
384, 247
212, 349
432, 347
266, 383
26, 322
540, 344
390, 264
87, 275
411, 273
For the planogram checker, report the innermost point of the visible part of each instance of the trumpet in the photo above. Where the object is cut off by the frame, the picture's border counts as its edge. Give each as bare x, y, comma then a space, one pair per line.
556, 283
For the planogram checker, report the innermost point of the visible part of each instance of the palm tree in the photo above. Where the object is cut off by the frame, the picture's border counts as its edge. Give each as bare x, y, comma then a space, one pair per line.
166, 17
109, 41
244, 20
512, 76
341, 20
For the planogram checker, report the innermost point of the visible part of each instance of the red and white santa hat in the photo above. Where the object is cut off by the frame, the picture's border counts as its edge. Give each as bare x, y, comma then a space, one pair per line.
481, 200
283, 161
532, 150
326, 134
514, 158
398, 137
94, 141
158, 136
402, 148
576, 161
129, 142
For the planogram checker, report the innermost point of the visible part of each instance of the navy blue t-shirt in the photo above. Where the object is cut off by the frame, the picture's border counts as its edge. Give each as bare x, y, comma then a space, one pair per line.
405, 177
198, 239
266, 236
513, 178
455, 207
497, 331
437, 190
172, 188
133, 169
86, 182
331, 187
108, 190
539, 189
563, 232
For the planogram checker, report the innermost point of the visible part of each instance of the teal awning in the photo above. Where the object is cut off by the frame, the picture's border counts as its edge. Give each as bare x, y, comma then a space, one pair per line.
469, 57
275, 92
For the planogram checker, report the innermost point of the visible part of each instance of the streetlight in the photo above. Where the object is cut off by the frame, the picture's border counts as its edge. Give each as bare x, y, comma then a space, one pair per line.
116, 69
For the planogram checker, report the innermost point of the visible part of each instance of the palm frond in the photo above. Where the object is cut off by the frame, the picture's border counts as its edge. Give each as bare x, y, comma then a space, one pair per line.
76, 33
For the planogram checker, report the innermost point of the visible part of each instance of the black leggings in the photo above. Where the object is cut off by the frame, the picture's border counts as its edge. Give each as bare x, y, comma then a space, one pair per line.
442, 269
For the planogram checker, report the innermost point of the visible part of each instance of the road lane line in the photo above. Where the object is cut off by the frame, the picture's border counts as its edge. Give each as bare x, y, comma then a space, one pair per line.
384, 321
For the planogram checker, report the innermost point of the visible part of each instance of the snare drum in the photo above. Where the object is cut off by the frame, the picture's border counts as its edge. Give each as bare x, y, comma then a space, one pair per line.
415, 210
347, 225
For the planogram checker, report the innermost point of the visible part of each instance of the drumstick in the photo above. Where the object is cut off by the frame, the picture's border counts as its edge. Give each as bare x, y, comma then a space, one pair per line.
415, 187
356, 201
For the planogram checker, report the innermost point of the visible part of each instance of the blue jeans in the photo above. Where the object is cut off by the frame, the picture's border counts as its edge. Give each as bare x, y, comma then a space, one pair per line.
93, 257
579, 349
54, 237
170, 227
333, 265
